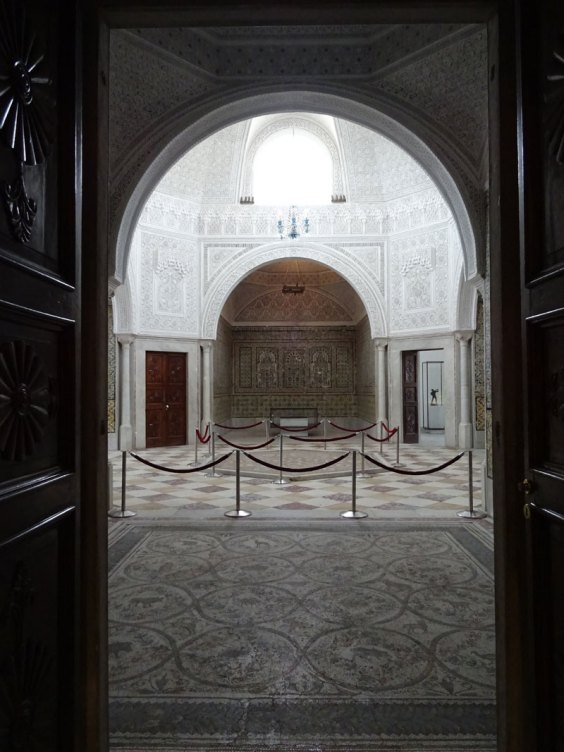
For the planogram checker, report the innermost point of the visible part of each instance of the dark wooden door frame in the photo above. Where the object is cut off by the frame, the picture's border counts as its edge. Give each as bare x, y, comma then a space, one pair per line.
514, 707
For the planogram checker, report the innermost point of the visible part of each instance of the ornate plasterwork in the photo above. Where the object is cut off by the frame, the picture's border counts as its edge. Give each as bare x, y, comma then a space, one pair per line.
419, 295
451, 88
378, 169
208, 173
142, 87
168, 285
286, 123
415, 210
350, 268
310, 306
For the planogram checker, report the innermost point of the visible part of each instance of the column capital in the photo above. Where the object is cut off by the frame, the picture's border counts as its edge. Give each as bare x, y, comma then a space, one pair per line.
380, 342
464, 336
125, 339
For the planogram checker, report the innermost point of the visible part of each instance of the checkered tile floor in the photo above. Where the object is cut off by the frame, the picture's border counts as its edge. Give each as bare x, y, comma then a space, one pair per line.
324, 493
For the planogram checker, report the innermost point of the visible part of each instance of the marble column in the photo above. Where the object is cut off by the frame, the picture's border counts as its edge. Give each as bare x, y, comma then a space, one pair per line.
380, 346
207, 385
465, 425
125, 438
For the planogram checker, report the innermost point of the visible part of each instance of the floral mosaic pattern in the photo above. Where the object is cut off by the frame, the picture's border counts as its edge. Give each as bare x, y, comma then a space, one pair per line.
213, 618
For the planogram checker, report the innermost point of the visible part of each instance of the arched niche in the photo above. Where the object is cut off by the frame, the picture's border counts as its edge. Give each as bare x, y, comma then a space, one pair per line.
193, 126
309, 125
357, 274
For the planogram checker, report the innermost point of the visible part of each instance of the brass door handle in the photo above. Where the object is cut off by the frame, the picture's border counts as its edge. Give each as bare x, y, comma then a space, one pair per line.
167, 407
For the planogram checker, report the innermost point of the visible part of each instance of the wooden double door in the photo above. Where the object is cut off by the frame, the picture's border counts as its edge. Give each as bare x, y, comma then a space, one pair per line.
165, 411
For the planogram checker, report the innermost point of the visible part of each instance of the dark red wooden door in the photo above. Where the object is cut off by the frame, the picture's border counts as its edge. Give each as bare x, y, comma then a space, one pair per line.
165, 399
409, 394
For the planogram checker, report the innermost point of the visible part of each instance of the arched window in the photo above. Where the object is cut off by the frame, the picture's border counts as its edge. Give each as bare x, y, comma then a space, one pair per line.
292, 167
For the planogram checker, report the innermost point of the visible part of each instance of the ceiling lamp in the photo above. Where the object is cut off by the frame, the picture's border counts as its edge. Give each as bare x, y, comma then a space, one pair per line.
291, 227
296, 289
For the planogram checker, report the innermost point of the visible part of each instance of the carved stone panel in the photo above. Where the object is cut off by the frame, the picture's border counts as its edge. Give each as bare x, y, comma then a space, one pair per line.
293, 368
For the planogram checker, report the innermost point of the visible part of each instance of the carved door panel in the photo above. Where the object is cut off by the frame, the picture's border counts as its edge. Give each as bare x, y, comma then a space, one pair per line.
409, 394
165, 399
542, 190
39, 375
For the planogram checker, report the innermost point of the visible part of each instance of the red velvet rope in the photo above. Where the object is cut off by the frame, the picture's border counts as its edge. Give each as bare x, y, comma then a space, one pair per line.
206, 432
385, 427
356, 430
180, 470
297, 469
413, 472
257, 446
386, 438
295, 430
334, 438
201, 438
239, 428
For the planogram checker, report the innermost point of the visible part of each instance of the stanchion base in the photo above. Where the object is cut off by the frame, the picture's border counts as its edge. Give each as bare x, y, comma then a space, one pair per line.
471, 515
212, 475
237, 513
281, 481
353, 515
119, 513
362, 475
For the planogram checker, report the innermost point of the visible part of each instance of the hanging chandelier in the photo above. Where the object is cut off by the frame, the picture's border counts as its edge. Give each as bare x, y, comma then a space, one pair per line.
294, 226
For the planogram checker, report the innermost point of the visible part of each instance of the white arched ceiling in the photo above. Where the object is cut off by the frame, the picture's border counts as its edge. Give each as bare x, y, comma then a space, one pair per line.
357, 274
201, 123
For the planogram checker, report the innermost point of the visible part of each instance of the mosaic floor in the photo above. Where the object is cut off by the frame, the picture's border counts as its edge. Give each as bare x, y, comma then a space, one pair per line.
155, 494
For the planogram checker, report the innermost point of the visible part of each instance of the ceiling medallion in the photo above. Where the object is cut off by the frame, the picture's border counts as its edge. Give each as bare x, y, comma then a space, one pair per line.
23, 111
25, 400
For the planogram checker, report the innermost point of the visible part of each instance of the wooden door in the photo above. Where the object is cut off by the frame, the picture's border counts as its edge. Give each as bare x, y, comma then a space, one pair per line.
40, 353
165, 399
541, 40
409, 396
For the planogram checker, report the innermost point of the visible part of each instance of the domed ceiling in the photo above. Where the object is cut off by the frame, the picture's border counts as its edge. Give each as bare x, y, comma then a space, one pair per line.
293, 291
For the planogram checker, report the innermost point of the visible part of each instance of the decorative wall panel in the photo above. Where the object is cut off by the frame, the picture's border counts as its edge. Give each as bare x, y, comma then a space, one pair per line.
168, 281
294, 360
419, 274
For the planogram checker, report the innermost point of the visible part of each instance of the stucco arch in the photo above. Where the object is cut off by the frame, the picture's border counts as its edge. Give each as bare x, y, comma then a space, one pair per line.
190, 127
356, 273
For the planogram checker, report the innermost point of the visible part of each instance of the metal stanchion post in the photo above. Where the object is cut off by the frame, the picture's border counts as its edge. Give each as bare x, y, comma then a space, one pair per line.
470, 513
123, 512
325, 432
352, 513
266, 422
381, 438
397, 462
212, 473
362, 474
281, 481
237, 512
